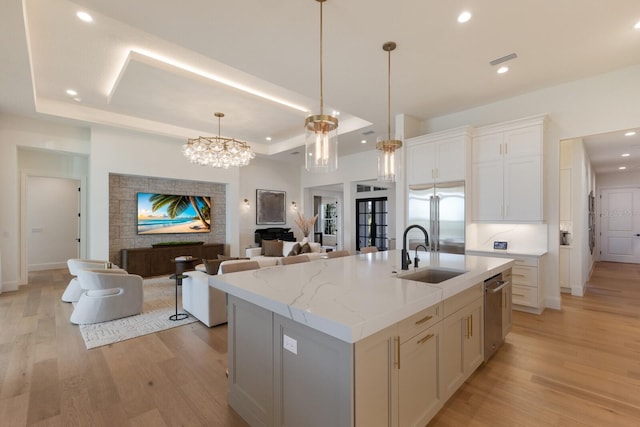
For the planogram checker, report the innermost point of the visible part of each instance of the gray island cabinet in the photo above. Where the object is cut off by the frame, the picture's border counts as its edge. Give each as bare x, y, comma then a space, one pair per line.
346, 342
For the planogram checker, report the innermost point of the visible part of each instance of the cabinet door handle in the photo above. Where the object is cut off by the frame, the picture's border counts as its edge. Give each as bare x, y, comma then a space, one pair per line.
471, 327
467, 327
423, 320
397, 340
518, 295
425, 339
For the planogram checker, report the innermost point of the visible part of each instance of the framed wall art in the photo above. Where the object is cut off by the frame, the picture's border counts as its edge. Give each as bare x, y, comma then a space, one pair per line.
270, 207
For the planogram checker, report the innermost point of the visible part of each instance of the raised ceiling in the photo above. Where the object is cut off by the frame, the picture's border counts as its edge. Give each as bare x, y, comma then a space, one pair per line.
157, 66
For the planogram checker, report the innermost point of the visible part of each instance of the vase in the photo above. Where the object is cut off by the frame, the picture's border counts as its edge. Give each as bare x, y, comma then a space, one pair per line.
305, 239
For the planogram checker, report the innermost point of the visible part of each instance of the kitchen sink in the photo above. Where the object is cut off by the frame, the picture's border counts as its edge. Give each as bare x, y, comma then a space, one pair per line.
432, 275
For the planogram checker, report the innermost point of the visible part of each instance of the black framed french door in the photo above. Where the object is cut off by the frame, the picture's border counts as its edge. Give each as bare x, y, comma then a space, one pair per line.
371, 223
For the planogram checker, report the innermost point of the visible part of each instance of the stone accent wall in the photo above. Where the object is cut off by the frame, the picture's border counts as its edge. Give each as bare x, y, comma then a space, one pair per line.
123, 211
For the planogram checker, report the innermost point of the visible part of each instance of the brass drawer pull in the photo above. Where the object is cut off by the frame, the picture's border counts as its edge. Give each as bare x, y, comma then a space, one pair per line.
425, 339
423, 320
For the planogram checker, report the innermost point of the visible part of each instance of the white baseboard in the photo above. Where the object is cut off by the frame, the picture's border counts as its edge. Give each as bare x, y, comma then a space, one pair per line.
47, 266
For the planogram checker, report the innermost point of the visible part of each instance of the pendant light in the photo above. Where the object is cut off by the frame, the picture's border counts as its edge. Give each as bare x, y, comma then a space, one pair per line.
216, 151
387, 147
321, 132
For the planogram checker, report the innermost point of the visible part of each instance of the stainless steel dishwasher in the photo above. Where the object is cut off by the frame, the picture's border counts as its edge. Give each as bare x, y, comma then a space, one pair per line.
493, 292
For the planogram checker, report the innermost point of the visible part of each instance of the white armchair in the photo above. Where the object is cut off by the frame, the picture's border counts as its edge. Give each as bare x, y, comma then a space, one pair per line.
73, 291
107, 294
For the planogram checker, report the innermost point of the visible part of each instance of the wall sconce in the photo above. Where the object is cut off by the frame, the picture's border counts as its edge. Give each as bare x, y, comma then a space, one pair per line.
294, 206
246, 203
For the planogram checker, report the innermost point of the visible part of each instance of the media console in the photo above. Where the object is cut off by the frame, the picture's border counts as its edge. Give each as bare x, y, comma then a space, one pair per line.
148, 262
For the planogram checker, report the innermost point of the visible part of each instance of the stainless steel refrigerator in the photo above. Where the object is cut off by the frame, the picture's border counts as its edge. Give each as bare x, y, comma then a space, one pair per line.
439, 208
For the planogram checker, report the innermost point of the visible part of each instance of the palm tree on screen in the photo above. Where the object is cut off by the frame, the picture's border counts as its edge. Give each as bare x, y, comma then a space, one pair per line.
176, 205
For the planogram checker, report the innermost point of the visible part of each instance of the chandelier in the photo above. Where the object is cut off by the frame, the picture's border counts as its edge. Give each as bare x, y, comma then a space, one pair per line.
387, 147
321, 135
216, 151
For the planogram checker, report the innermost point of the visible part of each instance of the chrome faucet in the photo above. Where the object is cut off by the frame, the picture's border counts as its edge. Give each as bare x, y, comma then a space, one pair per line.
415, 258
406, 260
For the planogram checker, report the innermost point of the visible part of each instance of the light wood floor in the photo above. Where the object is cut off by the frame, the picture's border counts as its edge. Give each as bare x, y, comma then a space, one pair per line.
575, 367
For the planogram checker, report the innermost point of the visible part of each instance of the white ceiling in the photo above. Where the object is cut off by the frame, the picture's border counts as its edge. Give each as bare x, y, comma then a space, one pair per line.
439, 67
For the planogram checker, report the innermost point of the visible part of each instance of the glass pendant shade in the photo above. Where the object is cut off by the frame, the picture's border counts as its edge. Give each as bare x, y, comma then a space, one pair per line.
387, 159
321, 143
386, 147
321, 132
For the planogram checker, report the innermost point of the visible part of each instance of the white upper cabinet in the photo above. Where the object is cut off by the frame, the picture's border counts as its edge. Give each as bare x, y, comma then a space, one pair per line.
507, 171
438, 157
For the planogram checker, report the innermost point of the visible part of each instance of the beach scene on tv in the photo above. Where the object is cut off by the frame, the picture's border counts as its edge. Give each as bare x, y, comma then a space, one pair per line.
173, 214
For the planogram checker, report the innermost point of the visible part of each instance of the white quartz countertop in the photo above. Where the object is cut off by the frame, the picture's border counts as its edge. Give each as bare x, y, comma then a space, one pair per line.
353, 297
508, 252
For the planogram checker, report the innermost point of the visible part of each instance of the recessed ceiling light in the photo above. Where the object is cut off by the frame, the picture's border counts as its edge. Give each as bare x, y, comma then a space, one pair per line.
268, 138
502, 69
72, 92
637, 26
336, 113
464, 17
622, 168
77, 99
626, 155
310, 154
84, 16
364, 141
630, 133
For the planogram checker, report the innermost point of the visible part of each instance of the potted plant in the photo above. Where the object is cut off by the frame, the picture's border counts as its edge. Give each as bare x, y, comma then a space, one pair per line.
305, 225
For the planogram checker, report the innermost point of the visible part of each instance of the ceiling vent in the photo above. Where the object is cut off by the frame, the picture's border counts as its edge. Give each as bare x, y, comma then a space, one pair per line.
503, 59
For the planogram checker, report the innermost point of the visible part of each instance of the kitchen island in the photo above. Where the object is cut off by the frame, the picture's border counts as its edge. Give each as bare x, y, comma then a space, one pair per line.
321, 343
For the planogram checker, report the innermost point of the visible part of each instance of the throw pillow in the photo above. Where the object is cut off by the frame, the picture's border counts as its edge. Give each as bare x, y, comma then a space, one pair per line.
295, 250
305, 249
272, 247
212, 265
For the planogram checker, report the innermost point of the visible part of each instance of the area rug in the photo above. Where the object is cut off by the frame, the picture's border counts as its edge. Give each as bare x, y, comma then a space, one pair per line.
159, 304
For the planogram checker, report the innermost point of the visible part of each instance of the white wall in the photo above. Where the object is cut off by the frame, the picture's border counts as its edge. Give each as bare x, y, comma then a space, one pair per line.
590, 106
618, 179
352, 168
123, 152
17, 132
266, 174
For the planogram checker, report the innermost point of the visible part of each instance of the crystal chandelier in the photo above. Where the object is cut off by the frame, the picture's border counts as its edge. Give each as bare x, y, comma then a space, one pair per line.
216, 151
321, 134
387, 147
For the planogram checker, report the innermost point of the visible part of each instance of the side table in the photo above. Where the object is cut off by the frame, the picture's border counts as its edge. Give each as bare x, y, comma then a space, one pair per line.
184, 263
178, 278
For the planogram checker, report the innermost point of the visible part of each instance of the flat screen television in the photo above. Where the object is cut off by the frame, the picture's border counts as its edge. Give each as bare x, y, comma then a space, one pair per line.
173, 214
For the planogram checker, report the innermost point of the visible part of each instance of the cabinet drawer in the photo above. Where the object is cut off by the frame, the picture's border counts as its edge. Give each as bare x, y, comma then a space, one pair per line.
525, 276
420, 321
524, 295
526, 261
456, 302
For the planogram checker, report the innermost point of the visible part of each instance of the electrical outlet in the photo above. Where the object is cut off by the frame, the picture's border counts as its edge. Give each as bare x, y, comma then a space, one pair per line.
290, 344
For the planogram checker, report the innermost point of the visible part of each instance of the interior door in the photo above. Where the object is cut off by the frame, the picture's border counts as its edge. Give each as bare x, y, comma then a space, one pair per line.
371, 223
620, 225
